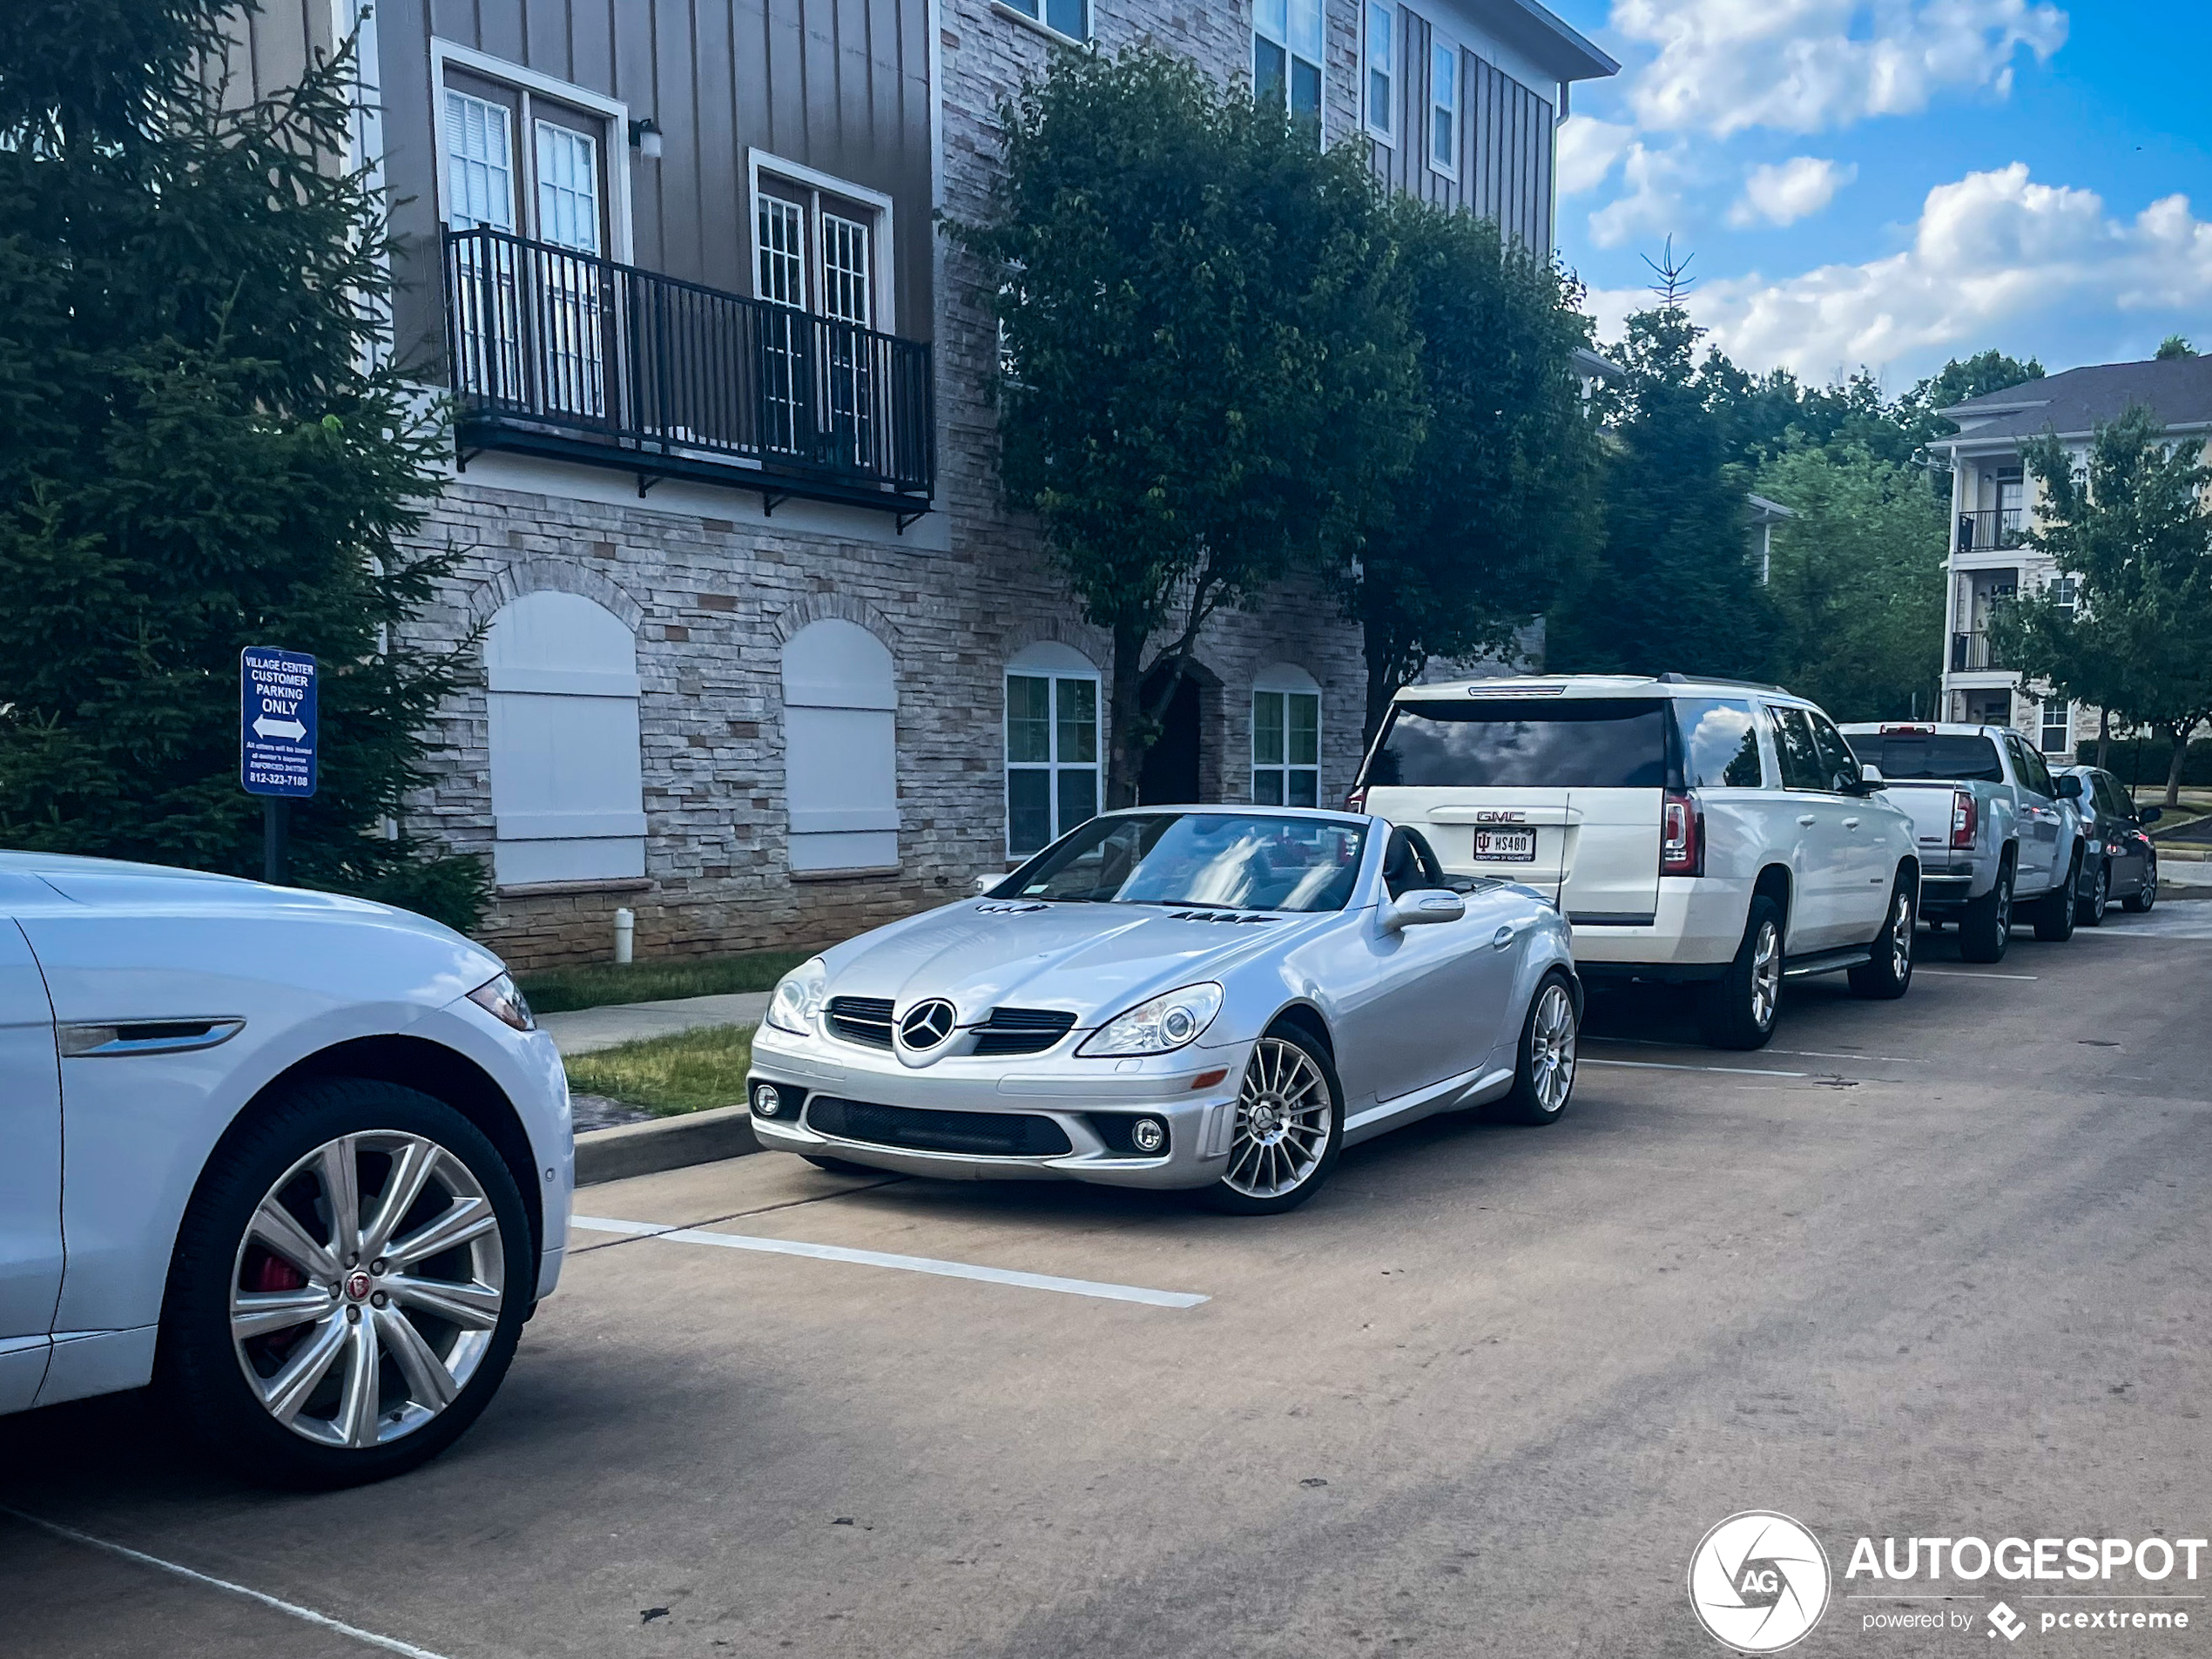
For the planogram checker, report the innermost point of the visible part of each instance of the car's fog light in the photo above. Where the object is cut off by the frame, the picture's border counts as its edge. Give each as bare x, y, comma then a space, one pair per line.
767, 1100
1147, 1135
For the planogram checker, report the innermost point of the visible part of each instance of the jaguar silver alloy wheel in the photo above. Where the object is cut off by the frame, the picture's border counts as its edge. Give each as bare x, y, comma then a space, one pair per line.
367, 1288
1551, 1048
1766, 975
1284, 1114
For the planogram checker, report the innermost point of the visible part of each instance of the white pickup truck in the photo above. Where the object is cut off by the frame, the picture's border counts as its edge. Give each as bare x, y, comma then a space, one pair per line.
1994, 828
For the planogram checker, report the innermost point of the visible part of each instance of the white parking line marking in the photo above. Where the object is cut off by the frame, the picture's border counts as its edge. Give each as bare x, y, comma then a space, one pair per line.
390, 1644
1966, 973
1658, 1065
1799, 1053
904, 1264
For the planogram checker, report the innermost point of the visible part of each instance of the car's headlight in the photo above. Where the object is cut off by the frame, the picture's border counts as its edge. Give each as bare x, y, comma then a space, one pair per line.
504, 1000
1160, 1026
798, 997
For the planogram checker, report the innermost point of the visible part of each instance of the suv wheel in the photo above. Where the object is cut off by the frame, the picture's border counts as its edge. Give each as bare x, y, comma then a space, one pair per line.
2099, 899
1985, 925
1887, 974
348, 1288
1737, 1010
2054, 914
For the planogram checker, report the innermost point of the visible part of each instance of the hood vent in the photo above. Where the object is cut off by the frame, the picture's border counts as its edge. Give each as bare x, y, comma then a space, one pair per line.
1230, 916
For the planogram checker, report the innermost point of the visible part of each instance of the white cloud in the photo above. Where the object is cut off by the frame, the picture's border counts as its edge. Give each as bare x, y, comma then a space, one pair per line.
1787, 192
1809, 65
1991, 256
1654, 203
1588, 149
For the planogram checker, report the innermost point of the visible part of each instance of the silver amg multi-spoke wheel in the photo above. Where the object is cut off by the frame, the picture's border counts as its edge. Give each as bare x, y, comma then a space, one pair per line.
1285, 1120
1551, 1048
367, 1288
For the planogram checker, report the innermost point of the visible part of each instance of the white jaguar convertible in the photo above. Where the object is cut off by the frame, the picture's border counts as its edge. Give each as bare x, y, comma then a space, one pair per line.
1186, 997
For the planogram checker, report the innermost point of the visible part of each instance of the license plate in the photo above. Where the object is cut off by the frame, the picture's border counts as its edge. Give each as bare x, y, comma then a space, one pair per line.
1506, 846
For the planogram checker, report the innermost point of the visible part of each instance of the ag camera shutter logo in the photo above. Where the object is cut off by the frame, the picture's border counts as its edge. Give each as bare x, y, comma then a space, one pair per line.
1758, 1582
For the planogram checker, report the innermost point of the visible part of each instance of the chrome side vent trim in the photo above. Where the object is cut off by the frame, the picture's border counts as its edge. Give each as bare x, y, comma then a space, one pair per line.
84, 1039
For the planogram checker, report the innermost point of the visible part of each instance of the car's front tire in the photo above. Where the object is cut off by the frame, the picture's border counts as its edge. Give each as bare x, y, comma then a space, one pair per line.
2054, 914
348, 1288
1738, 1009
1289, 1127
1887, 974
1543, 1078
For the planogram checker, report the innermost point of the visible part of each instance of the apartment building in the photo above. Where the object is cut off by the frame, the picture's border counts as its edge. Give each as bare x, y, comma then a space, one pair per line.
1995, 500
765, 658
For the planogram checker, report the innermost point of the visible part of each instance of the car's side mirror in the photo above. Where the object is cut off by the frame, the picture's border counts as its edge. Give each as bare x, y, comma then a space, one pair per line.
1421, 907
2150, 815
1870, 775
2070, 787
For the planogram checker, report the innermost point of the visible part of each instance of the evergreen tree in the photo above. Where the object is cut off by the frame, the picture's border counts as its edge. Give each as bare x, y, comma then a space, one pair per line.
1501, 499
1672, 585
204, 447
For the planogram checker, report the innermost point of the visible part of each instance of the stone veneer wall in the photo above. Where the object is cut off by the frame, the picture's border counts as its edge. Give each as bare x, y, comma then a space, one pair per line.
711, 598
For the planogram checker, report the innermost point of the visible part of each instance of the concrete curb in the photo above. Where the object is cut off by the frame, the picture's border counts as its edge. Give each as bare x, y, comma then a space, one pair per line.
665, 1144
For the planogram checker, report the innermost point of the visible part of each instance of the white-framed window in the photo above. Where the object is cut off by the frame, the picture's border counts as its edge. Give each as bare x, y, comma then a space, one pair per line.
1286, 738
1067, 18
1378, 70
1286, 57
1052, 745
821, 244
2057, 731
568, 187
480, 163
841, 749
2066, 593
1444, 108
566, 785
522, 152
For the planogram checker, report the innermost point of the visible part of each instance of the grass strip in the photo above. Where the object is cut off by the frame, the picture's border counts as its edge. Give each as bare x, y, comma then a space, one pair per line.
556, 991
685, 1071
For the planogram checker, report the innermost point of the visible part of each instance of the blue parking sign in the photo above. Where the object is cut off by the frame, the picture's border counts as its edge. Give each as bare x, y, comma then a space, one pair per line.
276, 722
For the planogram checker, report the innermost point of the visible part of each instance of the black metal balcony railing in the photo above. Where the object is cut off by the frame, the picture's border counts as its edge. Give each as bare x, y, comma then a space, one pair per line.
561, 353
1972, 650
1994, 528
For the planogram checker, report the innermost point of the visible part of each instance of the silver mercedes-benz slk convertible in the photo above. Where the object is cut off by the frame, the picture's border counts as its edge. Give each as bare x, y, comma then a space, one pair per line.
1216, 998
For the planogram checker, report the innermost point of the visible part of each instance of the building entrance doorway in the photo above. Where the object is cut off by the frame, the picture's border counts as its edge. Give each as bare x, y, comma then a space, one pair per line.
1171, 767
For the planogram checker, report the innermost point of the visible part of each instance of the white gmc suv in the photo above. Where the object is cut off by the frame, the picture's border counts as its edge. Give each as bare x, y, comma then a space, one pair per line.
1705, 832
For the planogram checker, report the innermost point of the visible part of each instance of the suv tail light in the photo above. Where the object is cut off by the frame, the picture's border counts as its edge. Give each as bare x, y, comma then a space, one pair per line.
1357, 801
1681, 837
1964, 820
1901, 730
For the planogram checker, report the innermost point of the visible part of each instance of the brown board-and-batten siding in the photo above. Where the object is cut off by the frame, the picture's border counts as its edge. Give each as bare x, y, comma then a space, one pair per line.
1504, 143
838, 86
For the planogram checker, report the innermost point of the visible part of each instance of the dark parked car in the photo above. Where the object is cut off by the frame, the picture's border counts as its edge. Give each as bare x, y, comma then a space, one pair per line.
2119, 862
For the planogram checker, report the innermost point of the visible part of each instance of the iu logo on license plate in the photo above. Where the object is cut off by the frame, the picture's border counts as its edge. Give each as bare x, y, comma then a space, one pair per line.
1506, 846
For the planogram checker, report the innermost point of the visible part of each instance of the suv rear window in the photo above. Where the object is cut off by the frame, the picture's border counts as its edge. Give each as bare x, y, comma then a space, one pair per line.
1576, 743
1968, 759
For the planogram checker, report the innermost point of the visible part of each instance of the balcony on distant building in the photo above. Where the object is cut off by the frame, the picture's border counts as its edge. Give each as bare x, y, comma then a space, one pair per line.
1993, 529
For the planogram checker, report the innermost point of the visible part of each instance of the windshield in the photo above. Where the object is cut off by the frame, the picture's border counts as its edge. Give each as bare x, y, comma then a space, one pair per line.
1576, 743
1942, 758
1235, 861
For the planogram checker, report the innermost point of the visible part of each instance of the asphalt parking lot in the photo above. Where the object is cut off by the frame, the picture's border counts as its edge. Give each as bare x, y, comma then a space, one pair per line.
1929, 1267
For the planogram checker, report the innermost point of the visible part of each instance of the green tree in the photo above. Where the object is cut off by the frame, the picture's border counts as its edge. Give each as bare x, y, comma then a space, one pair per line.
1209, 378
2132, 526
1857, 582
201, 449
2174, 346
1672, 584
1959, 379
1501, 498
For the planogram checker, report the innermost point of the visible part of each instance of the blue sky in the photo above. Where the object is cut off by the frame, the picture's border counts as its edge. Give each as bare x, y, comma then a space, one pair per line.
1893, 183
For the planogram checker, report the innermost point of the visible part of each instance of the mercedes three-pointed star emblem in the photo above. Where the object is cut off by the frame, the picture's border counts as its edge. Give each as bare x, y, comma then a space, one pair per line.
927, 1024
